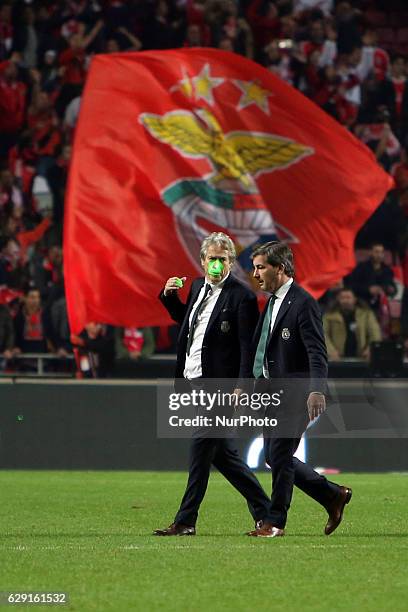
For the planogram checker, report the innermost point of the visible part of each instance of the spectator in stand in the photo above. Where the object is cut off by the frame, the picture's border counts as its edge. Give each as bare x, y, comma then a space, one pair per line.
122, 40
393, 94
372, 58
21, 162
61, 336
95, 349
194, 36
26, 38
278, 60
13, 272
57, 176
164, 28
226, 44
373, 280
400, 174
49, 70
48, 271
378, 135
226, 23
349, 328
7, 347
322, 39
347, 21
263, 17
329, 297
11, 196
6, 30
32, 328
12, 105
134, 343
73, 63
43, 123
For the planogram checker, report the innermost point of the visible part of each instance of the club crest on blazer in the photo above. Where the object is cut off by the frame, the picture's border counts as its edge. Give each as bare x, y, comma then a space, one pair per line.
225, 326
285, 333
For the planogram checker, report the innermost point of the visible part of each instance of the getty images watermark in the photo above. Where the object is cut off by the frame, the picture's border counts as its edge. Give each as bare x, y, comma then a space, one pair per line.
220, 403
363, 408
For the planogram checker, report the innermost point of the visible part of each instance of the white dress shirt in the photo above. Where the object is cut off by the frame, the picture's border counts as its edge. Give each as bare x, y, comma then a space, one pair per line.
280, 296
193, 365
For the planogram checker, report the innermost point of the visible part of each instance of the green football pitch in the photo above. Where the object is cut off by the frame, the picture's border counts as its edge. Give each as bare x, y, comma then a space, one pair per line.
88, 534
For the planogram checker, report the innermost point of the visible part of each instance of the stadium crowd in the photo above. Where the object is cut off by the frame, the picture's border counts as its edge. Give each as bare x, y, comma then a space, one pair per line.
348, 56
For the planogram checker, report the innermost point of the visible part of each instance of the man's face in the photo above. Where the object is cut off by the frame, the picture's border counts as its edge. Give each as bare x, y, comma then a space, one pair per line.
55, 255
10, 73
6, 179
93, 329
377, 253
33, 300
346, 300
213, 253
398, 67
269, 277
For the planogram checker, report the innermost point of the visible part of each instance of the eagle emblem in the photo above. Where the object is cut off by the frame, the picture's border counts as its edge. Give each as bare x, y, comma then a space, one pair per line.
235, 156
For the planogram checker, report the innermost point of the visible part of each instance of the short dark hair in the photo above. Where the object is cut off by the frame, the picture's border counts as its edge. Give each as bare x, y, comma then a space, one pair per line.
277, 254
345, 290
29, 288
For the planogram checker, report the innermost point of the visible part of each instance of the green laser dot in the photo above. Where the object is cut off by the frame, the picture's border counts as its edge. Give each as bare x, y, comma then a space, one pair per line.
215, 267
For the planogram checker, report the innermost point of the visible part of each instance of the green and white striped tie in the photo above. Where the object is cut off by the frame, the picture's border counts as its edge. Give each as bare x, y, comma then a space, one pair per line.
263, 339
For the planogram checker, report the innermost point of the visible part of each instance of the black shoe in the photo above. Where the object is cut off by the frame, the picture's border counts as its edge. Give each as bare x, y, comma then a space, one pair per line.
336, 509
176, 529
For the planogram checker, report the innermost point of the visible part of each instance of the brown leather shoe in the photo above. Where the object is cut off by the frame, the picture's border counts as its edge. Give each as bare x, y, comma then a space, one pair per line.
336, 509
176, 529
267, 530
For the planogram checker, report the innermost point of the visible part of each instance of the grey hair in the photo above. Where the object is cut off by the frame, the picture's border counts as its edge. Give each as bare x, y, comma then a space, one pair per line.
277, 254
220, 240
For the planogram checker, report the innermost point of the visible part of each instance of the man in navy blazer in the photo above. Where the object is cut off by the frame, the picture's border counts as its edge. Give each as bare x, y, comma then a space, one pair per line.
216, 327
289, 346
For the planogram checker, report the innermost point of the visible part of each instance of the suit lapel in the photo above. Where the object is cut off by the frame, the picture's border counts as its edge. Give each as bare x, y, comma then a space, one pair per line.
194, 295
219, 304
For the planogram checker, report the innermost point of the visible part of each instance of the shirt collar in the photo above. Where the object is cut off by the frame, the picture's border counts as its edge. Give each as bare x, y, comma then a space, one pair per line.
282, 291
216, 285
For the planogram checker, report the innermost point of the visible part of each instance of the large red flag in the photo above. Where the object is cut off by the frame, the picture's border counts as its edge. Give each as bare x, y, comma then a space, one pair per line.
171, 145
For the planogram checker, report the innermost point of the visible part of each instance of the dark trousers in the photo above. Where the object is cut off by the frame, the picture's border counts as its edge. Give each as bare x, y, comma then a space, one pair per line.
221, 453
288, 471
281, 443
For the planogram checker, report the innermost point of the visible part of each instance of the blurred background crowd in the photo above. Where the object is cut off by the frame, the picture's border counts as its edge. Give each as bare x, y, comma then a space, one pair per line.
348, 56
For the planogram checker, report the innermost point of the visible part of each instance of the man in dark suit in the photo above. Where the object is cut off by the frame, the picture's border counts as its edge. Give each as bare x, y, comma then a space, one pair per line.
289, 346
373, 280
217, 324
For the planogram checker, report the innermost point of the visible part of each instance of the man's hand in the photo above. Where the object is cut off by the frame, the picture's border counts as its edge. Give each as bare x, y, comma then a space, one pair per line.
316, 404
172, 286
61, 352
366, 353
237, 393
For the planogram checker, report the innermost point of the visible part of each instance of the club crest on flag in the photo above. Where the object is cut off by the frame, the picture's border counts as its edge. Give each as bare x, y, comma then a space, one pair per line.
228, 196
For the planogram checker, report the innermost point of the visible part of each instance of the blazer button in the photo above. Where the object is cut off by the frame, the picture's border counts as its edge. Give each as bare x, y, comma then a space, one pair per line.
204, 347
